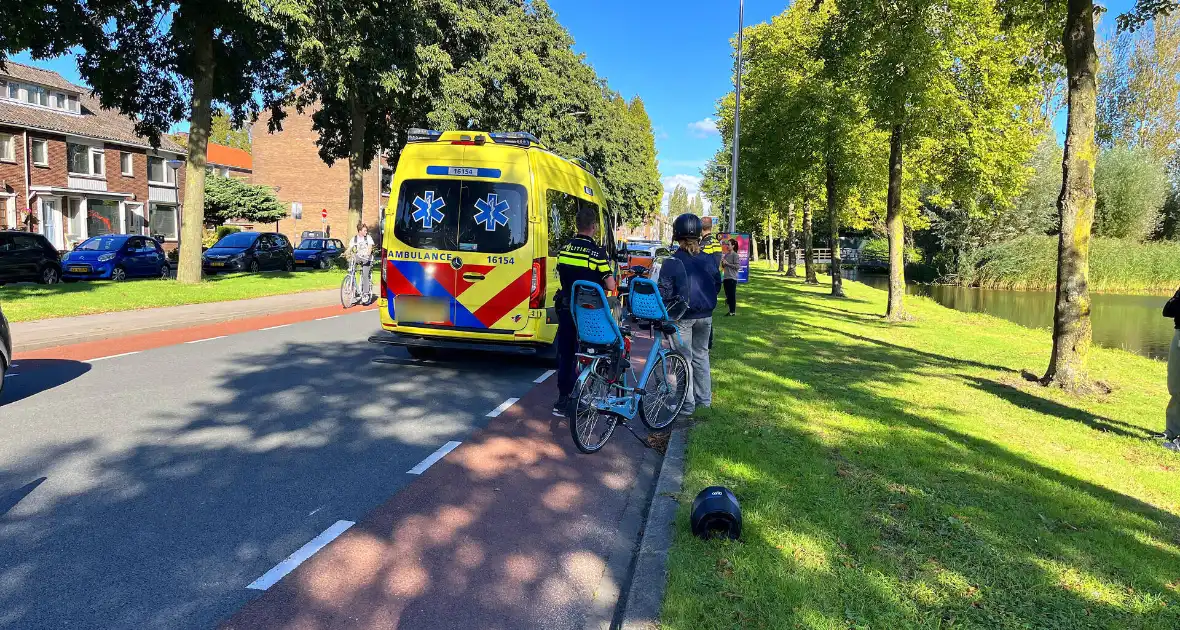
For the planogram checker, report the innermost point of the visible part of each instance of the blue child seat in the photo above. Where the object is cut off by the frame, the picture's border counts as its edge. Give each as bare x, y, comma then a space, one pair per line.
645, 300
592, 314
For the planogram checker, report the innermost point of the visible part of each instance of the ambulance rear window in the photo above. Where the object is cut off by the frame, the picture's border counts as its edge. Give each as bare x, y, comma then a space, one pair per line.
461, 215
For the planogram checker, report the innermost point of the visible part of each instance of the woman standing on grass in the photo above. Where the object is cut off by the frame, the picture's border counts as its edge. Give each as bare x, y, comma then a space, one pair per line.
1172, 416
729, 268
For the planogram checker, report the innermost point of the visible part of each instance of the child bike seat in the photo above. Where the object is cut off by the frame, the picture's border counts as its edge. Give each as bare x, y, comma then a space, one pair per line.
593, 317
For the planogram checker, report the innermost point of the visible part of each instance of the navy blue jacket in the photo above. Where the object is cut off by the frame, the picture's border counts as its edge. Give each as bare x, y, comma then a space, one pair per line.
695, 279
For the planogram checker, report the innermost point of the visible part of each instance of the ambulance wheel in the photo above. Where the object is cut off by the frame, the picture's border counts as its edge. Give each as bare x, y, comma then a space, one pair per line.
421, 353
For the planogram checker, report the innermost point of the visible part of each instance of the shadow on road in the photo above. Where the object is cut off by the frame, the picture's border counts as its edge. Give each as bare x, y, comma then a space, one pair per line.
210, 485
30, 377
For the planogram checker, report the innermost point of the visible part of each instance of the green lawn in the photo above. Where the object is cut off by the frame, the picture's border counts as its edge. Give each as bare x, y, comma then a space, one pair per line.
906, 476
25, 302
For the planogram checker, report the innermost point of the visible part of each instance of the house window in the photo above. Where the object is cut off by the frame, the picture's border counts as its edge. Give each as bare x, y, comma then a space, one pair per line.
163, 221
13, 91
7, 147
386, 180
102, 217
159, 172
35, 95
40, 152
59, 100
125, 164
85, 160
73, 103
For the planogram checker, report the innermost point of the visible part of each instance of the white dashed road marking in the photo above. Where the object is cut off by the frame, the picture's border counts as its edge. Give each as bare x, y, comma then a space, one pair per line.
275, 327
434, 457
495, 413
281, 569
544, 377
207, 339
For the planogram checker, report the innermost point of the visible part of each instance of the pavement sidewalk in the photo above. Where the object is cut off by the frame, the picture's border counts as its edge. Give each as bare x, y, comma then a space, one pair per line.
513, 530
50, 333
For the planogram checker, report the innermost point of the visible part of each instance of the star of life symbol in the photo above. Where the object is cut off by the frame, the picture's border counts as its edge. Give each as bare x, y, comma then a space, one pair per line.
492, 212
429, 210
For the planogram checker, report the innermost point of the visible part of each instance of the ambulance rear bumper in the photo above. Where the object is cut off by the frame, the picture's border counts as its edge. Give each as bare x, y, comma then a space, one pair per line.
403, 339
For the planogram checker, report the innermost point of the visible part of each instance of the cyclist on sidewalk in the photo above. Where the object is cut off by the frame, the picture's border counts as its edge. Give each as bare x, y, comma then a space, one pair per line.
580, 259
361, 247
694, 277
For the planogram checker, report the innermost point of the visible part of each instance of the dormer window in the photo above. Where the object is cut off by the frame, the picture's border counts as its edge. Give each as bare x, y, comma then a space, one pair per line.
39, 96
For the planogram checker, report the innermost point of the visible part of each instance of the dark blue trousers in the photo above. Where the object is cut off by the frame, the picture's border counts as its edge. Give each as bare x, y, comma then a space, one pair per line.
567, 349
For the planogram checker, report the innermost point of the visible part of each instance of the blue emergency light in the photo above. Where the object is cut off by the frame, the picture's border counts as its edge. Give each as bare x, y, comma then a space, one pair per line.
422, 135
517, 138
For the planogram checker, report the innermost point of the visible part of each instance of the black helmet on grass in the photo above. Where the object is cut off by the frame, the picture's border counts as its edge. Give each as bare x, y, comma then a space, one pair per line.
686, 226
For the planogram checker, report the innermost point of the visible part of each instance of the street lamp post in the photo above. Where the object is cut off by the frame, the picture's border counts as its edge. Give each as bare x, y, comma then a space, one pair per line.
737, 121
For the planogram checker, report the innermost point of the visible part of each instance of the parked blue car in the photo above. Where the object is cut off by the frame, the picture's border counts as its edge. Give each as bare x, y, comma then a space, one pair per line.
116, 257
318, 252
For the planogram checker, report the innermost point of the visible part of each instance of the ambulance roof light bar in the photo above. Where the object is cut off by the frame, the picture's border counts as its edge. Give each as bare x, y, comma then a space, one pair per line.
517, 138
422, 135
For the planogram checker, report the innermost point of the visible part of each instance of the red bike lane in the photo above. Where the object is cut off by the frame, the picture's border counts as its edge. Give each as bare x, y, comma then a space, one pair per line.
514, 529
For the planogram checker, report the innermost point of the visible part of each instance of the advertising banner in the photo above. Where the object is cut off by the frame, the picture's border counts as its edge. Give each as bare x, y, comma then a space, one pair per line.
743, 251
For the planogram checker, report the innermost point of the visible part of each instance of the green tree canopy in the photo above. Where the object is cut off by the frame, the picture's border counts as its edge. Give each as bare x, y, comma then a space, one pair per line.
227, 199
1132, 186
678, 201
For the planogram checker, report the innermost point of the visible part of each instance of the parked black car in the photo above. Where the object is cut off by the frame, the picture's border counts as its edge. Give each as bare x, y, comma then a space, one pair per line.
28, 257
5, 349
249, 251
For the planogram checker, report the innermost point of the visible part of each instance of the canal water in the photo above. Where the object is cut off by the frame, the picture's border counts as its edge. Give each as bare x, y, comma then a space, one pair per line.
1130, 322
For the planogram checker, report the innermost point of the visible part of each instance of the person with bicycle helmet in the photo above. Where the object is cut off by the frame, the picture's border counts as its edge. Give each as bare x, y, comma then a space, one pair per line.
580, 259
693, 277
361, 247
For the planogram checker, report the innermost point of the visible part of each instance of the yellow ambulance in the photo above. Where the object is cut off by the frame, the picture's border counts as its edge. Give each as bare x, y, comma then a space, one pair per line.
470, 238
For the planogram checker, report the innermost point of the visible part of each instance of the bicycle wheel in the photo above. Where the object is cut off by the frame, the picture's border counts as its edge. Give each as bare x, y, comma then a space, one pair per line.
348, 292
666, 391
589, 427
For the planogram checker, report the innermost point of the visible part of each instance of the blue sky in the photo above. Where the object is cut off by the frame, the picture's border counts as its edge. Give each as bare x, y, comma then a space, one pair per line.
675, 54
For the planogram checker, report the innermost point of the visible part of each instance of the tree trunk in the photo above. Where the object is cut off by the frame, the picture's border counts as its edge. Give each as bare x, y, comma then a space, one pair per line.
356, 168
769, 239
896, 230
808, 250
754, 247
188, 269
782, 248
1075, 205
834, 222
792, 255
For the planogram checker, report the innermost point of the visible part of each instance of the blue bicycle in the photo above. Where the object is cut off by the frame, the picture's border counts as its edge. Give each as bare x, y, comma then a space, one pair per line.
607, 392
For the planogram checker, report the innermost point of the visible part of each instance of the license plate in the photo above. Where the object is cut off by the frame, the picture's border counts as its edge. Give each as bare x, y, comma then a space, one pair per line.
217, 264
412, 309
79, 269
300, 262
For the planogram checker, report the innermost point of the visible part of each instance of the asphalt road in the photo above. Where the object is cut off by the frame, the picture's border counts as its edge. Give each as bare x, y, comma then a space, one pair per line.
147, 491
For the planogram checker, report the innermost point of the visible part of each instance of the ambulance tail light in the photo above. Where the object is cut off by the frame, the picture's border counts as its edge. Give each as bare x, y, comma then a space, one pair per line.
384, 263
537, 286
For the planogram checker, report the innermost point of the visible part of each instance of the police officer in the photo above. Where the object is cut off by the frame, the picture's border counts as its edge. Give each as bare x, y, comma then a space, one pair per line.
692, 276
580, 259
709, 247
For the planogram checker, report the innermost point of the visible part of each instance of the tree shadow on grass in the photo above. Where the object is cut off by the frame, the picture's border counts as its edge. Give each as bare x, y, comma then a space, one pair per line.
1024, 399
869, 510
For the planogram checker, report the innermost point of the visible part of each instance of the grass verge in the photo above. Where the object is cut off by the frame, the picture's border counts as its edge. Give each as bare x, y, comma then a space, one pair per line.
905, 476
1116, 266
24, 302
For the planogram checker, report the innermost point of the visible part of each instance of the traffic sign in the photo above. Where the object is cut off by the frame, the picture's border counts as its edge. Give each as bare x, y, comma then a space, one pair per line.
324, 213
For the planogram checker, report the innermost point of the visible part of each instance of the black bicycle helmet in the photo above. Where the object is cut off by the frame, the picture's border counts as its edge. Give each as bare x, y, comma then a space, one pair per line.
716, 514
686, 226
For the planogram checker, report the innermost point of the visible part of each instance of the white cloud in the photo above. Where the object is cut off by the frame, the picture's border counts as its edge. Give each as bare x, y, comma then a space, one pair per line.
703, 128
692, 183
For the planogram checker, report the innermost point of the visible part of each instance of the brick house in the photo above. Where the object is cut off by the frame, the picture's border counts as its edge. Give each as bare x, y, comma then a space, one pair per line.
229, 162
289, 162
79, 170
